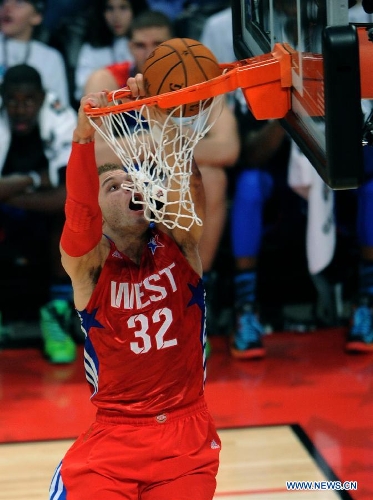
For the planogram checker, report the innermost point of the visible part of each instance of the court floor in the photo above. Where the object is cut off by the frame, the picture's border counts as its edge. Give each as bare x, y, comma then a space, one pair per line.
304, 413
255, 463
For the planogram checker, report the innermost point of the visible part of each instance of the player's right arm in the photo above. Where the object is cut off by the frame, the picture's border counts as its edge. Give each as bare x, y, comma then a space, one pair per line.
83, 248
99, 80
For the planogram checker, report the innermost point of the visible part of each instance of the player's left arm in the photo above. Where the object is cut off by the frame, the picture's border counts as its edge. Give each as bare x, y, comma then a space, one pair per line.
187, 238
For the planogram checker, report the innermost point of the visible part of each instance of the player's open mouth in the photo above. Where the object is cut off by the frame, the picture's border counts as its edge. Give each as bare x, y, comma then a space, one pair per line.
136, 202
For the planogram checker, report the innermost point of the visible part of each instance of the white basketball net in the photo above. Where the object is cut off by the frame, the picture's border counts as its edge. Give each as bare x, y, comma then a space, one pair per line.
158, 161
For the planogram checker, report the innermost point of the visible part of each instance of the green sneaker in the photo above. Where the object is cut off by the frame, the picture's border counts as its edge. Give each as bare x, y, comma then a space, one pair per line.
55, 320
208, 349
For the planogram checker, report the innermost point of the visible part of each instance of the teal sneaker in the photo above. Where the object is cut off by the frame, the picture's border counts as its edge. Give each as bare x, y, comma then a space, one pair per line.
360, 336
55, 321
247, 339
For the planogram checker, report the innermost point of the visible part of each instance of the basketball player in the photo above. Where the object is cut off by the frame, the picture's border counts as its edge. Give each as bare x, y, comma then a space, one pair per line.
140, 297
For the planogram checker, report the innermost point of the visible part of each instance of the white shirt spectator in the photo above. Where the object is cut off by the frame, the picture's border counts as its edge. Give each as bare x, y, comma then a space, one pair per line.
47, 60
56, 124
357, 14
92, 58
217, 36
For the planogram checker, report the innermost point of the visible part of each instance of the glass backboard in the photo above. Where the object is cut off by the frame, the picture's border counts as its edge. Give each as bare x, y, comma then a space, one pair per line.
325, 118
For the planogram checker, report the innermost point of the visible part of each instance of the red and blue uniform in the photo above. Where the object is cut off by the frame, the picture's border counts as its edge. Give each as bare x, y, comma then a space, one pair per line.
137, 320
144, 358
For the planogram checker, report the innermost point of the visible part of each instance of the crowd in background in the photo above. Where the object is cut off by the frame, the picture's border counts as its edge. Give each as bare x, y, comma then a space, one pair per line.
253, 250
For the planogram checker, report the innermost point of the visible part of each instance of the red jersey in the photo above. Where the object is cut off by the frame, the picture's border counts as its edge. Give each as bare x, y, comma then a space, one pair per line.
121, 72
145, 332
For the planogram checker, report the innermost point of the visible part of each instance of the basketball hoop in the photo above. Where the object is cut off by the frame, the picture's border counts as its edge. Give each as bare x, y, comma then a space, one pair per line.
157, 155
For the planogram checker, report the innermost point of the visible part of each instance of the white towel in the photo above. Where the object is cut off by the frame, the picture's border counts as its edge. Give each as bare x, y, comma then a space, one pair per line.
321, 231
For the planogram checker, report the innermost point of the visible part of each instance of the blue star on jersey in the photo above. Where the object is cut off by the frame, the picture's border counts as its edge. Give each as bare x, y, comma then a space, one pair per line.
154, 243
88, 320
198, 295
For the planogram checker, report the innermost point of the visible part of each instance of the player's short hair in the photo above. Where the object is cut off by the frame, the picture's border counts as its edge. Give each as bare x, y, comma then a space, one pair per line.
108, 167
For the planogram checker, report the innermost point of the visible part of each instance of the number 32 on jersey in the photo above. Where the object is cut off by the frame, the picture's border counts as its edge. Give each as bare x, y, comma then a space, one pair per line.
140, 324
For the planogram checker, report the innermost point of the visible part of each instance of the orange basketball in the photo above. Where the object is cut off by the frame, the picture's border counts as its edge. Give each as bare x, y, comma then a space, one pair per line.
179, 63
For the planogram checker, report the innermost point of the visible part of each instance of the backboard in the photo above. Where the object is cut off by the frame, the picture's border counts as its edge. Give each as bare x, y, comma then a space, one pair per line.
325, 117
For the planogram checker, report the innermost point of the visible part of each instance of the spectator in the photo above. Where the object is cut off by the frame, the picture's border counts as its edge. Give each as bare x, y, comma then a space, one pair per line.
190, 21
35, 147
357, 13
64, 28
18, 22
360, 335
106, 39
260, 176
321, 209
320, 230
322, 246
220, 42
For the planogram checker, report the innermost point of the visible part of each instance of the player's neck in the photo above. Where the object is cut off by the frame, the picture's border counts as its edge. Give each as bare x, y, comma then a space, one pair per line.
130, 244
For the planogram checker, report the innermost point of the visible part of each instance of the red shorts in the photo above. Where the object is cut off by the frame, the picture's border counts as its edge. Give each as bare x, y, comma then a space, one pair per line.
173, 456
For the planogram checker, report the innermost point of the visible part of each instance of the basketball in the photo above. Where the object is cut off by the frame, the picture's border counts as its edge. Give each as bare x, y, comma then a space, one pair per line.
176, 64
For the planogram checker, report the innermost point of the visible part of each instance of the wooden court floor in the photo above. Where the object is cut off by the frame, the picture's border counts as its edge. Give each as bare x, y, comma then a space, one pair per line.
304, 413
255, 464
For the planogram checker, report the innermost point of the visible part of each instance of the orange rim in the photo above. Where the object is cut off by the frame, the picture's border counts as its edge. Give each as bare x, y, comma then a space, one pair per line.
198, 92
247, 73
